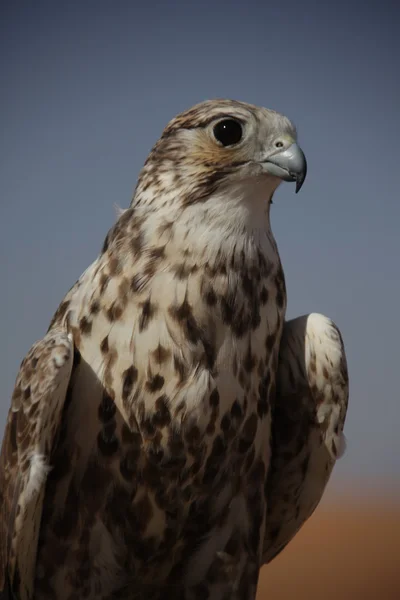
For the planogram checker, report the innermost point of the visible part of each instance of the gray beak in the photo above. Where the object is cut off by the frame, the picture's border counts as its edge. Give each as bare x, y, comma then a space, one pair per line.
289, 165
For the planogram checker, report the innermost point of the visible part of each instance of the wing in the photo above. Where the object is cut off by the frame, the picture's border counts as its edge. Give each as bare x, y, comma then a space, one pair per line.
307, 430
33, 421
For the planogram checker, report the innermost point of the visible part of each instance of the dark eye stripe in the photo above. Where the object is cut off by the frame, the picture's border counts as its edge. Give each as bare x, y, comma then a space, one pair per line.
193, 123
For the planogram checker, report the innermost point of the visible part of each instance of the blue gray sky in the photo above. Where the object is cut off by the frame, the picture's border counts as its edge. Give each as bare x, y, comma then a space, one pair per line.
86, 89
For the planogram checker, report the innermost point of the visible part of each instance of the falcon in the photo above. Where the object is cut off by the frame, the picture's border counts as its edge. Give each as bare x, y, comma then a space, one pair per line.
172, 432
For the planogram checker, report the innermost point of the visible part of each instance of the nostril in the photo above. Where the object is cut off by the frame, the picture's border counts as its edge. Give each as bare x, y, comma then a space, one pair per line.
279, 144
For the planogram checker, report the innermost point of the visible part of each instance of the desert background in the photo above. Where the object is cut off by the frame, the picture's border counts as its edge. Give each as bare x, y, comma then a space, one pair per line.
86, 90
349, 549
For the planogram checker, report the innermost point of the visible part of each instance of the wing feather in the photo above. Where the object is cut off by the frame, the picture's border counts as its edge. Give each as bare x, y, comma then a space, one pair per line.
307, 430
32, 425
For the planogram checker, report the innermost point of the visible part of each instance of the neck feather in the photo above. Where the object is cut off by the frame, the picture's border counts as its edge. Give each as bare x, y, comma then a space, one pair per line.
231, 225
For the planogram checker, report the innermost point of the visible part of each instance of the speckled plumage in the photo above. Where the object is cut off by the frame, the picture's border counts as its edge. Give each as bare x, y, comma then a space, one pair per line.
153, 395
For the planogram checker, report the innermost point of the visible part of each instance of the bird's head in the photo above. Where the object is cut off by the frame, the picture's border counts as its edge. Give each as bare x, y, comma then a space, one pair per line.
224, 145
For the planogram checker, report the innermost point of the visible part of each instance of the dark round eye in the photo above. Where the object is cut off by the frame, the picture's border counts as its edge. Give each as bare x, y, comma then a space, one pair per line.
228, 132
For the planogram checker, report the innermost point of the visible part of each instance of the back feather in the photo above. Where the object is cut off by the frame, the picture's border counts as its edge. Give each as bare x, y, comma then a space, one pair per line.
307, 430
32, 426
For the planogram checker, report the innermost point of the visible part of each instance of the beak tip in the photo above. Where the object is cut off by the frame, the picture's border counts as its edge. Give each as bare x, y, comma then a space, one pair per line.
290, 165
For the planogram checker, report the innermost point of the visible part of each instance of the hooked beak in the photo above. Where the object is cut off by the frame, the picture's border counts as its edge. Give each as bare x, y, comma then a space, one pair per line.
289, 165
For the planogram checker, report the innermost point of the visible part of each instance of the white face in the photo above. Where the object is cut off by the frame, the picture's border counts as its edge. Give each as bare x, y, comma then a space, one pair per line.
221, 144
238, 139
213, 173
256, 139
255, 136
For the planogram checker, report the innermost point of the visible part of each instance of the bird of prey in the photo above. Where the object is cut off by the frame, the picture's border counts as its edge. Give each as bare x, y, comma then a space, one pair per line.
172, 431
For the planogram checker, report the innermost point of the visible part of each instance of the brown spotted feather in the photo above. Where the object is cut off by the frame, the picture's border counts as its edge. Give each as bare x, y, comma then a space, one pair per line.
308, 421
159, 444
32, 427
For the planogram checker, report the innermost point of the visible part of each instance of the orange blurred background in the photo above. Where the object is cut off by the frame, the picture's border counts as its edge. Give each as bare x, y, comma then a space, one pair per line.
348, 550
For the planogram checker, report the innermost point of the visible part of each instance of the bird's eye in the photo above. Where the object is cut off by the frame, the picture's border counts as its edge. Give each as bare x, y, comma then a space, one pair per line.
228, 132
